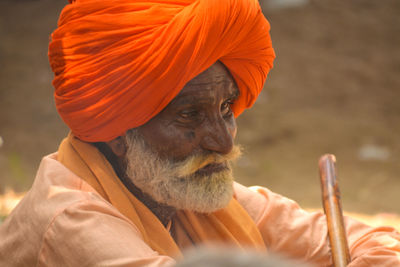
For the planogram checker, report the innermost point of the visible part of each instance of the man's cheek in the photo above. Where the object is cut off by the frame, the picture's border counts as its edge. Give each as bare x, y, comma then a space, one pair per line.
190, 135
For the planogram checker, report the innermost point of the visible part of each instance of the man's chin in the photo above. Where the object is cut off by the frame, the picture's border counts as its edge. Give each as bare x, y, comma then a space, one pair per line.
210, 203
197, 193
206, 205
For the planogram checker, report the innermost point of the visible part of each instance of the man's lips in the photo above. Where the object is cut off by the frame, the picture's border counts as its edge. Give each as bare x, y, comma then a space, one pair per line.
211, 168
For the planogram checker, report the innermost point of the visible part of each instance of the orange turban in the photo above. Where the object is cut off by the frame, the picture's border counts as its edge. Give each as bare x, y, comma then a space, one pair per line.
118, 63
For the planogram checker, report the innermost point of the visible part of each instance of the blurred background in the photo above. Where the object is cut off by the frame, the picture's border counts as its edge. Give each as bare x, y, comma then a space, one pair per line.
335, 88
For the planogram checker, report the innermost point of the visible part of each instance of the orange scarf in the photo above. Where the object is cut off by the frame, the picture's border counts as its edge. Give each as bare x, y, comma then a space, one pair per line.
231, 225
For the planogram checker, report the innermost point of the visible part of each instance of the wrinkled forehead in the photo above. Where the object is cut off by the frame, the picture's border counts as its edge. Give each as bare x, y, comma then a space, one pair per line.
215, 78
216, 73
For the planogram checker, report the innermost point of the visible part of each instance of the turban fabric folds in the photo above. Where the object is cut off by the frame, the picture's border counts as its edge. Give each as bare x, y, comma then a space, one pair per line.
118, 63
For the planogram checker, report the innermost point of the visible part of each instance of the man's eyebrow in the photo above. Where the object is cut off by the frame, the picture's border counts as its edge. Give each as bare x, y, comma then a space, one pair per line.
185, 99
192, 99
235, 94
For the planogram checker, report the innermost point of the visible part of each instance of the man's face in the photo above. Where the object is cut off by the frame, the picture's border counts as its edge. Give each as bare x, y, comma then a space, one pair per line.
181, 157
198, 119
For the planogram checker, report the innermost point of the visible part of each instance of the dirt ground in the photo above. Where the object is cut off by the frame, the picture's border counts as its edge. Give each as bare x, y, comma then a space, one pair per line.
335, 88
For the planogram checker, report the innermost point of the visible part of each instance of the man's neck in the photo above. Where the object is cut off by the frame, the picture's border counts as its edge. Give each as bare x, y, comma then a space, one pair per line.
163, 212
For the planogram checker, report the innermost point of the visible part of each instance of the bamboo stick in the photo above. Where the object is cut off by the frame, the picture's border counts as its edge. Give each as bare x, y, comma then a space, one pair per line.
333, 210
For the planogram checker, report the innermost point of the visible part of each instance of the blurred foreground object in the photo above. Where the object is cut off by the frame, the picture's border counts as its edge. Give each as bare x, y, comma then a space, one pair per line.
231, 257
333, 210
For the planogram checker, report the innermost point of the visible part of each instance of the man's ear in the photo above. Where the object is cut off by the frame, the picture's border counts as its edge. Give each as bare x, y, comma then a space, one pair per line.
118, 146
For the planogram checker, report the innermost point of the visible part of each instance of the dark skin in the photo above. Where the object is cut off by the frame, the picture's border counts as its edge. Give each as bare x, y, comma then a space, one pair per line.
198, 120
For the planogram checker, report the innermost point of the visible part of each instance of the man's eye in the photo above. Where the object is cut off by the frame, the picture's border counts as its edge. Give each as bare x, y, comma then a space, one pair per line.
226, 108
188, 115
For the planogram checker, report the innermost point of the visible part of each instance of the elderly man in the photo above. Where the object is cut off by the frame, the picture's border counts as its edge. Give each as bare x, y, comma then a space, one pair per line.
150, 91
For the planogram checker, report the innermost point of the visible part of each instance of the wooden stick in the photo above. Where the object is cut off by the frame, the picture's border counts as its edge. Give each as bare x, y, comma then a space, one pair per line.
333, 211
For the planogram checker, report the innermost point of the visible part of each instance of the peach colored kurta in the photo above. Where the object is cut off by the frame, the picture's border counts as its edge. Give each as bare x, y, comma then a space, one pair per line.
62, 221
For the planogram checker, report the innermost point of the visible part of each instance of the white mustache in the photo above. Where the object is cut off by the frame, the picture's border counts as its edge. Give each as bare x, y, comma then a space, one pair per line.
194, 163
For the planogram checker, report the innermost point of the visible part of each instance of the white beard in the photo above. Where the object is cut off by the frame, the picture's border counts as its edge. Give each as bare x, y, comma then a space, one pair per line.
177, 184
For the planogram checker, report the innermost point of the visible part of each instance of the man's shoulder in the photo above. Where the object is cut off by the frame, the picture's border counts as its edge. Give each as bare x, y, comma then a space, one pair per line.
251, 200
55, 190
52, 173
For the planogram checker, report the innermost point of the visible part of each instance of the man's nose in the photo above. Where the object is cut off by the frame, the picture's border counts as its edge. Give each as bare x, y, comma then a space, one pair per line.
218, 136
